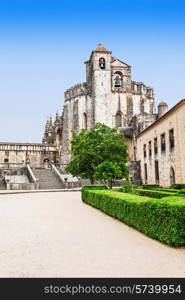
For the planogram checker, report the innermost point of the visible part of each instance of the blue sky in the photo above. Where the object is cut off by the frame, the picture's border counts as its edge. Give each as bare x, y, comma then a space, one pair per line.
43, 45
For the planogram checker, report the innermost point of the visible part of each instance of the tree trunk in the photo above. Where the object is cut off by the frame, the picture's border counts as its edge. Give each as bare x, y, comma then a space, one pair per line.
91, 180
110, 184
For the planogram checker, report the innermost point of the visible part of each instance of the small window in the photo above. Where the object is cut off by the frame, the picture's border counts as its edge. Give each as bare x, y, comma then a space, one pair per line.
139, 127
156, 172
46, 160
172, 176
7, 153
118, 119
6, 160
144, 150
155, 146
163, 143
171, 139
146, 174
150, 148
85, 121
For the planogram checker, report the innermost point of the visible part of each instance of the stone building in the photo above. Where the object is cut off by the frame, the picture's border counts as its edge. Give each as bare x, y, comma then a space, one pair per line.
108, 96
27, 165
160, 147
155, 138
15, 155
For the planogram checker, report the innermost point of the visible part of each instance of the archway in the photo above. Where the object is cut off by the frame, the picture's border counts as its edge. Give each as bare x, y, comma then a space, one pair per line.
85, 121
46, 160
118, 119
118, 79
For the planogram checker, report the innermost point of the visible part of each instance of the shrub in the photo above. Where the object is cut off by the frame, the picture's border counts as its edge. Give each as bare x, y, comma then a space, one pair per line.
152, 193
178, 186
127, 187
170, 190
163, 219
181, 191
95, 187
150, 186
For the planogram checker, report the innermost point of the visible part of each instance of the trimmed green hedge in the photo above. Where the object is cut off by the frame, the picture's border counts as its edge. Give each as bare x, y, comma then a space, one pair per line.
163, 219
178, 186
181, 191
152, 193
170, 190
95, 187
150, 186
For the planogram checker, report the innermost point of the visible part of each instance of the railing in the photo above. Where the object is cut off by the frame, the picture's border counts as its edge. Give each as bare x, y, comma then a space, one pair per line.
65, 184
32, 177
11, 165
57, 173
20, 186
31, 185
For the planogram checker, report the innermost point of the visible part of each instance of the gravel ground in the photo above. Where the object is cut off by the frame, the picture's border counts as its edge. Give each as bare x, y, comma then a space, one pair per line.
56, 235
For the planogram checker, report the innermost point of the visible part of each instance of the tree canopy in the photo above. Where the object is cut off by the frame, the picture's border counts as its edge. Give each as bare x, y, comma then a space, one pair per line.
92, 150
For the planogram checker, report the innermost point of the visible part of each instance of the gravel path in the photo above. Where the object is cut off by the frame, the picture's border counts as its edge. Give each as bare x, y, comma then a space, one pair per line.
56, 235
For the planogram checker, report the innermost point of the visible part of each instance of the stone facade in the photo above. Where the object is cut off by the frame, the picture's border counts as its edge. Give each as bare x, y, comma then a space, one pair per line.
108, 96
156, 139
160, 147
16, 155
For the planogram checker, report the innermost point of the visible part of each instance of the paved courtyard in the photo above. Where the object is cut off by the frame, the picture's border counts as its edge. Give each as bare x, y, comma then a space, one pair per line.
56, 235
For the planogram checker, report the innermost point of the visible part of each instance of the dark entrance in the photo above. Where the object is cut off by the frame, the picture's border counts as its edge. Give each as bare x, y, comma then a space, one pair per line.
46, 160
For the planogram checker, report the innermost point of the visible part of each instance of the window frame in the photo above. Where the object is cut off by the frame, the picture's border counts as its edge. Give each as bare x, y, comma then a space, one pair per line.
171, 142
163, 145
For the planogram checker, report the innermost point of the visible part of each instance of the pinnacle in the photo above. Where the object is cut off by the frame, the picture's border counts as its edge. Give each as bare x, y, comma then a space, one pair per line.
101, 48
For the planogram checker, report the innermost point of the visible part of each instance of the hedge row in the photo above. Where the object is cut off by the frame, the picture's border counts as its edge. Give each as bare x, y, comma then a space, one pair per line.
181, 191
153, 193
178, 186
170, 190
163, 219
150, 186
95, 187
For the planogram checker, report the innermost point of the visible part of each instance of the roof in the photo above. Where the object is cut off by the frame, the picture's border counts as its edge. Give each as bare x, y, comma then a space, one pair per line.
170, 111
114, 59
162, 103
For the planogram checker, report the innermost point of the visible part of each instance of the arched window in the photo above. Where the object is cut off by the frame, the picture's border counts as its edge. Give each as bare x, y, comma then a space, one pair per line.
139, 127
118, 80
102, 63
172, 176
46, 160
118, 119
58, 137
85, 121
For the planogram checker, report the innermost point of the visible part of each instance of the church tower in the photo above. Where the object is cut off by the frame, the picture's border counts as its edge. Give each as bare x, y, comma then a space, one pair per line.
98, 72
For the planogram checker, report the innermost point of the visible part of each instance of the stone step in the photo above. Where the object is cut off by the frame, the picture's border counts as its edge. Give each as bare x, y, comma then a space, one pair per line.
47, 179
2, 185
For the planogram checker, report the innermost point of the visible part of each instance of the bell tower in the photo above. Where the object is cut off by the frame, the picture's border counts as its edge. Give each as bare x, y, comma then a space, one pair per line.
98, 72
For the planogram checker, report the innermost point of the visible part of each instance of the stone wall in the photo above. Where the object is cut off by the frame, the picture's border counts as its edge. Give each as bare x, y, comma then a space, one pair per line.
171, 158
98, 100
17, 154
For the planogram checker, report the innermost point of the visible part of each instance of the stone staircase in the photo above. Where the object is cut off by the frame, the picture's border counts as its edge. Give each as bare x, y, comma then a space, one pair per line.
67, 177
2, 184
47, 180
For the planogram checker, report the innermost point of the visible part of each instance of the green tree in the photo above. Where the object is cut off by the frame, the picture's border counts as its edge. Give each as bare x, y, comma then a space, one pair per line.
91, 148
109, 171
